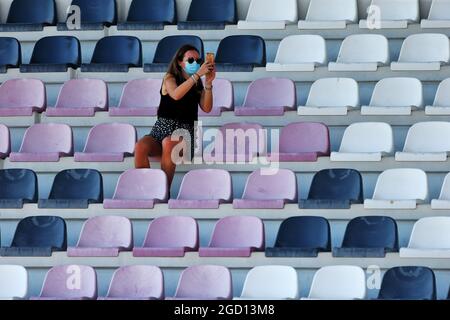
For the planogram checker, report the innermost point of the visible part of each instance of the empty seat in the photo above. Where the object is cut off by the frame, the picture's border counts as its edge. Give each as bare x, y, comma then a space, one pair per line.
223, 94
169, 236
45, 142
26, 15
399, 189
74, 188
368, 237
324, 14
266, 14
204, 282
60, 284
140, 98
365, 141
109, 142
395, 96
362, 52
270, 283
38, 236
438, 16
332, 97
408, 283
441, 104
235, 236
251, 53
22, 97
334, 189
19, 186
139, 282
13, 282
301, 237
95, 14
268, 97
390, 14
443, 202
11, 53
115, 54
54, 54
203, 189
103, 236
302, 141
5, 141
209, 15
139, 189
264, 190
149, 15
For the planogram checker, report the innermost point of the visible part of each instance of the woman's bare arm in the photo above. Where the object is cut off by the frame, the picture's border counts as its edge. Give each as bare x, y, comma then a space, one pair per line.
177, 92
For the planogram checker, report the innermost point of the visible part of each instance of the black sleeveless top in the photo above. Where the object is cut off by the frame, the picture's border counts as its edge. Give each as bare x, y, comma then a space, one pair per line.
184, 110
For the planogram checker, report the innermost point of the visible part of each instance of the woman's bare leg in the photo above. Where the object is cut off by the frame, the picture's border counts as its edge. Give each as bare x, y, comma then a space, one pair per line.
145, 147
167, 164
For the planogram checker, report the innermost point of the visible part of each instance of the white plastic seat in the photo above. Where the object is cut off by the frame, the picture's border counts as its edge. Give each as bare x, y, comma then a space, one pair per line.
391, 14
430, 238
270, 283
443, 202
426, 141
331, 96
441, 104
439, 15
299, 53
399, 188
13, 282
365, 141
362, 52
395, 96
326, 14
269, 14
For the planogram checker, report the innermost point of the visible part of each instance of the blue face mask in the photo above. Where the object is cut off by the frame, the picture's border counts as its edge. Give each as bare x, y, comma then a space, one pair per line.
191, 68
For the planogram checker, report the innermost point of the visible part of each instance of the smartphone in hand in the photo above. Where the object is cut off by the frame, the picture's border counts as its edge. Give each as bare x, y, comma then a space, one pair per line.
210, 57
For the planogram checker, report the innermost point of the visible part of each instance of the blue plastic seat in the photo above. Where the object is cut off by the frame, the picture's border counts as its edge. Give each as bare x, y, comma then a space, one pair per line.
18, 186
29, 15
75, 188
167, 48
241, 54
10, 53
369, 237
334, 189
301, 237
38, 236
149, 15
408, 283
209, 15
95, 14
115, 54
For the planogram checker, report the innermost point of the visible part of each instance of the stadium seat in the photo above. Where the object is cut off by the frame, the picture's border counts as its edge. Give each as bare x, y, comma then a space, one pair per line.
103, 236
223, 94
408, 283
11, 56
115, 54
5, 141
59, 283
331, 97
390, 14
365, 141
324, 14
443, 202
169, 236
54, 54
149, 15
95, 14
203, 189
22, 97
268, 97
302, 141
301, 237
441, 104
19, 186
38, 236
371, 236
270, 283
438, 16
204, 282
235, 236
334, 189
140, 98
139, 189
266, 14
45, 142
268, 190
138, 282
71, 103
209, 15
362, 52
395, 96
13, 282
299, 53
74, 188
108, 142
400, 188
29, 15
251, 53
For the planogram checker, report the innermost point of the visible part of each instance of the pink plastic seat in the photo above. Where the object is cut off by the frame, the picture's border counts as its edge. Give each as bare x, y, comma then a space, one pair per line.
170, 236
80, 98
103, 236
268, 191
268, 97
223, 94
5, 141
22, 97
236, 236
109, 142
45, 142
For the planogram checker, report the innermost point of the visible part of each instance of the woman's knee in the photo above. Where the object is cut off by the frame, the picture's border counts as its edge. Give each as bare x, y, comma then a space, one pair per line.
141, 148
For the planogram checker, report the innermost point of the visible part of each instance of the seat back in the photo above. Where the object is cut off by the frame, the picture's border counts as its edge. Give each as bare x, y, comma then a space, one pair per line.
13, 281
398, 10
271, 92
78, 184
141, 184
401, 184
97, 11
267, 10
430, 233
442, 98
238, 232
364, 48
10, 52
305, 137
139, 93
168, 46
23, 93
368, 137
206, 184
429, 47
5, 140
302, 49
334, 92
172, 232
428, 137
220, 11
124, 50
18, 184
281, 185
26, 11
397, 92
339, 10
95, 94
65, 50
152, 11
252, 50
48, 137
111, 137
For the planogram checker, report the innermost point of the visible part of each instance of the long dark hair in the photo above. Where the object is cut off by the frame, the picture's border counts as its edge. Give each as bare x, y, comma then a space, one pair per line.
174, 67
